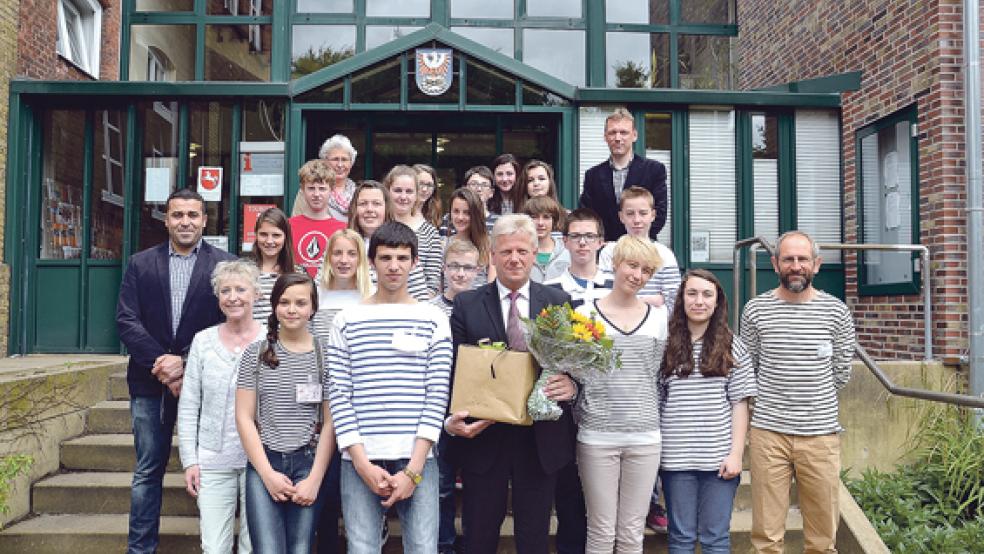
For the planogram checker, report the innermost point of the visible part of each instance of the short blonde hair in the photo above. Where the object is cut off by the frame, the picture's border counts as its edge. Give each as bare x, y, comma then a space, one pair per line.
459, 246
316, 171
635, 249
514, 223
620, 114
237, 269
634, 192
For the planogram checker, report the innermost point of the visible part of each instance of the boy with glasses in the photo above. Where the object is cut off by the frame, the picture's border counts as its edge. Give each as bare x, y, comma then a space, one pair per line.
583, 237
460, 267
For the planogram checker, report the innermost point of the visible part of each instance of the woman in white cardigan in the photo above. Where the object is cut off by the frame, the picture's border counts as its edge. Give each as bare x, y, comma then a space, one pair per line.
211, 454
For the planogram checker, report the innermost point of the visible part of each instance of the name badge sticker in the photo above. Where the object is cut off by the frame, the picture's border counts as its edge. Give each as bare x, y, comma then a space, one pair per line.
308, 393
825, 349
405, 342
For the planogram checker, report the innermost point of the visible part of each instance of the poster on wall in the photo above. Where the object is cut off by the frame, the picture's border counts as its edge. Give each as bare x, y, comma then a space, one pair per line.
250, 214
218, 241
700, 246
261, 174
157, 184
210, 183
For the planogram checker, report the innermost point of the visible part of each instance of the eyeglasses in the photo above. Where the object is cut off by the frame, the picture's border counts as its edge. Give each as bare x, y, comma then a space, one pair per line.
337, 160
467, 268
586, 237
478, 185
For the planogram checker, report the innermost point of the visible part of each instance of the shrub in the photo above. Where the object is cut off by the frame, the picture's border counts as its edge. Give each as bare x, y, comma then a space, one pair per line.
935, 503
10, 467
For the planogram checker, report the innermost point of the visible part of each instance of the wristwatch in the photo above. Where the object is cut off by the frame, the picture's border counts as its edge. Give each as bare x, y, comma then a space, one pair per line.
414, 476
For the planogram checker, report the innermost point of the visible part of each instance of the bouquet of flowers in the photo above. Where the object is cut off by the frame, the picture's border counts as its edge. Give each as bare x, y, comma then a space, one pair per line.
565, 341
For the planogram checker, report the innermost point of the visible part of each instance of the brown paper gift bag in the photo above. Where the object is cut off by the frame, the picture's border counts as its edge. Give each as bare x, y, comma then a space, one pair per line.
493, 384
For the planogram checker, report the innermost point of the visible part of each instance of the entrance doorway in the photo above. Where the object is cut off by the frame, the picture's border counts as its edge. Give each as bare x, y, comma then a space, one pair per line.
450, 142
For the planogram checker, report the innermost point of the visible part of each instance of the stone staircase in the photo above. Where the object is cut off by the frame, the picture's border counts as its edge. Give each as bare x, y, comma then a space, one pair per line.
84, 508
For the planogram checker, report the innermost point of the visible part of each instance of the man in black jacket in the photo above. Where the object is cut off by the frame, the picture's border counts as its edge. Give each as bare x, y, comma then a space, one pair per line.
491, 455
604, 183
165, 298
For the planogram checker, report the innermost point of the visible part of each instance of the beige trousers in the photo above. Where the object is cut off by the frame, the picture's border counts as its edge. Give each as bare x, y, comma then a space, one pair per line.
617, 483
815, 462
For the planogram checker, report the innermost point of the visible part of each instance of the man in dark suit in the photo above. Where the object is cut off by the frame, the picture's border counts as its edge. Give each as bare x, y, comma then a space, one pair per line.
604, 183
165, 298
489, 454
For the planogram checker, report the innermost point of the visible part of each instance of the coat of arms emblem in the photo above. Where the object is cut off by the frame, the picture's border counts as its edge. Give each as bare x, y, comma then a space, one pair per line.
433, 68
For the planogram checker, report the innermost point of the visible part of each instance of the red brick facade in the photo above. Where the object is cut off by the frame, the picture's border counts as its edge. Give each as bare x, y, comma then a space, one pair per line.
910, 54
37, 56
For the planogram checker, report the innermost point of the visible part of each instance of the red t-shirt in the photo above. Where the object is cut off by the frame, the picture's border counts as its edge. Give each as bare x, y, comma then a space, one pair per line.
311, 240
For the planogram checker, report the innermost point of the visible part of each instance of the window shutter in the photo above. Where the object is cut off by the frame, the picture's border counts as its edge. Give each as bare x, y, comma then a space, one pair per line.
766, 183
818, 199
665, 236
592, 148
713, 198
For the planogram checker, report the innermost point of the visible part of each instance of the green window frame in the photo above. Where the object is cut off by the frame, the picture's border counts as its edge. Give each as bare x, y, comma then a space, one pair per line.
907, 120
201, 20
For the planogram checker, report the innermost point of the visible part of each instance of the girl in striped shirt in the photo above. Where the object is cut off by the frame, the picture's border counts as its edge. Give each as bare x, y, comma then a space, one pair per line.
273, 255
618, 437
705, 382
284, 422
425, 277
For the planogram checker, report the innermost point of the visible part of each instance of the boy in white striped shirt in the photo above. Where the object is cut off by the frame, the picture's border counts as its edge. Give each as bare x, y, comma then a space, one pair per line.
801, 341
389, 369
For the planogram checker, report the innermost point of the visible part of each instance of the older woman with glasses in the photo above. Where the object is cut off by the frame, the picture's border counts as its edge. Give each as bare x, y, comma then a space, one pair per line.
340, 155
211, 452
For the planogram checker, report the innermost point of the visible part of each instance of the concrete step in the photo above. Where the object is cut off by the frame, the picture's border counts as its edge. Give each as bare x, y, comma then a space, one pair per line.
84, 534
118, 389
93, 534
104, 493
110, 416
108, 452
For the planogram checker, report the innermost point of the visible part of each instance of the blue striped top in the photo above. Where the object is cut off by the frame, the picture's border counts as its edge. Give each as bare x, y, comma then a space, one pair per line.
389, 368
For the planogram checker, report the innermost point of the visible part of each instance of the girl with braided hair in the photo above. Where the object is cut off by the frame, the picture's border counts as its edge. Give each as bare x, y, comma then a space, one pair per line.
284, 422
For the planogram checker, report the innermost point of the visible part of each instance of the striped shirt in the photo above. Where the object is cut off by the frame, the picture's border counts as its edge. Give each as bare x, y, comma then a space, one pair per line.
330, 302
666, 280
695, 413
285, 424
622, 408
262, 308
179, 269
430, 252
442, 302
389, 369
802, 356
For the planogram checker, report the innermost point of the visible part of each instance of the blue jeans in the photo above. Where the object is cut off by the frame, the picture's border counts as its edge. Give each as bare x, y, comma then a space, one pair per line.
153, 425
698, 505
363, 511
281, 527
446, 489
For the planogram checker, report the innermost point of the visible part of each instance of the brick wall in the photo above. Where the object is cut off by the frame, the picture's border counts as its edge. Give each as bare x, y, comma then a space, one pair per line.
37, 57
909, 53
8, 67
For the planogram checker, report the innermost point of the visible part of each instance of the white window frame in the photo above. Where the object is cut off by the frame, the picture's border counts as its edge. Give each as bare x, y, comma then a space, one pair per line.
84, 19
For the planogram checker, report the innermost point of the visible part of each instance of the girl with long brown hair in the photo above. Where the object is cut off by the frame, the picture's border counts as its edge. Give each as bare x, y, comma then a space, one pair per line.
273, 255
284, 421
428, 200
706, 379
467, 222
537, 180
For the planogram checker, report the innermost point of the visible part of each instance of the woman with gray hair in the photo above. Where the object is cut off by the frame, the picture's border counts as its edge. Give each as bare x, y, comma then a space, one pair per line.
211, 453
340, 155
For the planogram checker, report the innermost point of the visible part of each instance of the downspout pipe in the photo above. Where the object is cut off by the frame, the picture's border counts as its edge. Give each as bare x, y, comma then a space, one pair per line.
975, 237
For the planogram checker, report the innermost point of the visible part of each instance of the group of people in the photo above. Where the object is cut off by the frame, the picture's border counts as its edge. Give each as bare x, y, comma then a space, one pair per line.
312, 379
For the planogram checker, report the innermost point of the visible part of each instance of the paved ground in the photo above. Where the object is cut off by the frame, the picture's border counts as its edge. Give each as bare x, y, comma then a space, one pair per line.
19, 367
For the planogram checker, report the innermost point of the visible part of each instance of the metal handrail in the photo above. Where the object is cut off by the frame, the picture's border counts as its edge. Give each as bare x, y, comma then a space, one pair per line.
866, 359
924, 267
921, 394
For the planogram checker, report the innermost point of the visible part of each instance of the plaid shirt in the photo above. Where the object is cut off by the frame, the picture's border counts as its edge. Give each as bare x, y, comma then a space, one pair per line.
179, 270
618, 178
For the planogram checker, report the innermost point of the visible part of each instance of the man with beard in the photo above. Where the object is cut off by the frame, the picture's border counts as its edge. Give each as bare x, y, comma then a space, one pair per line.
801, 341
